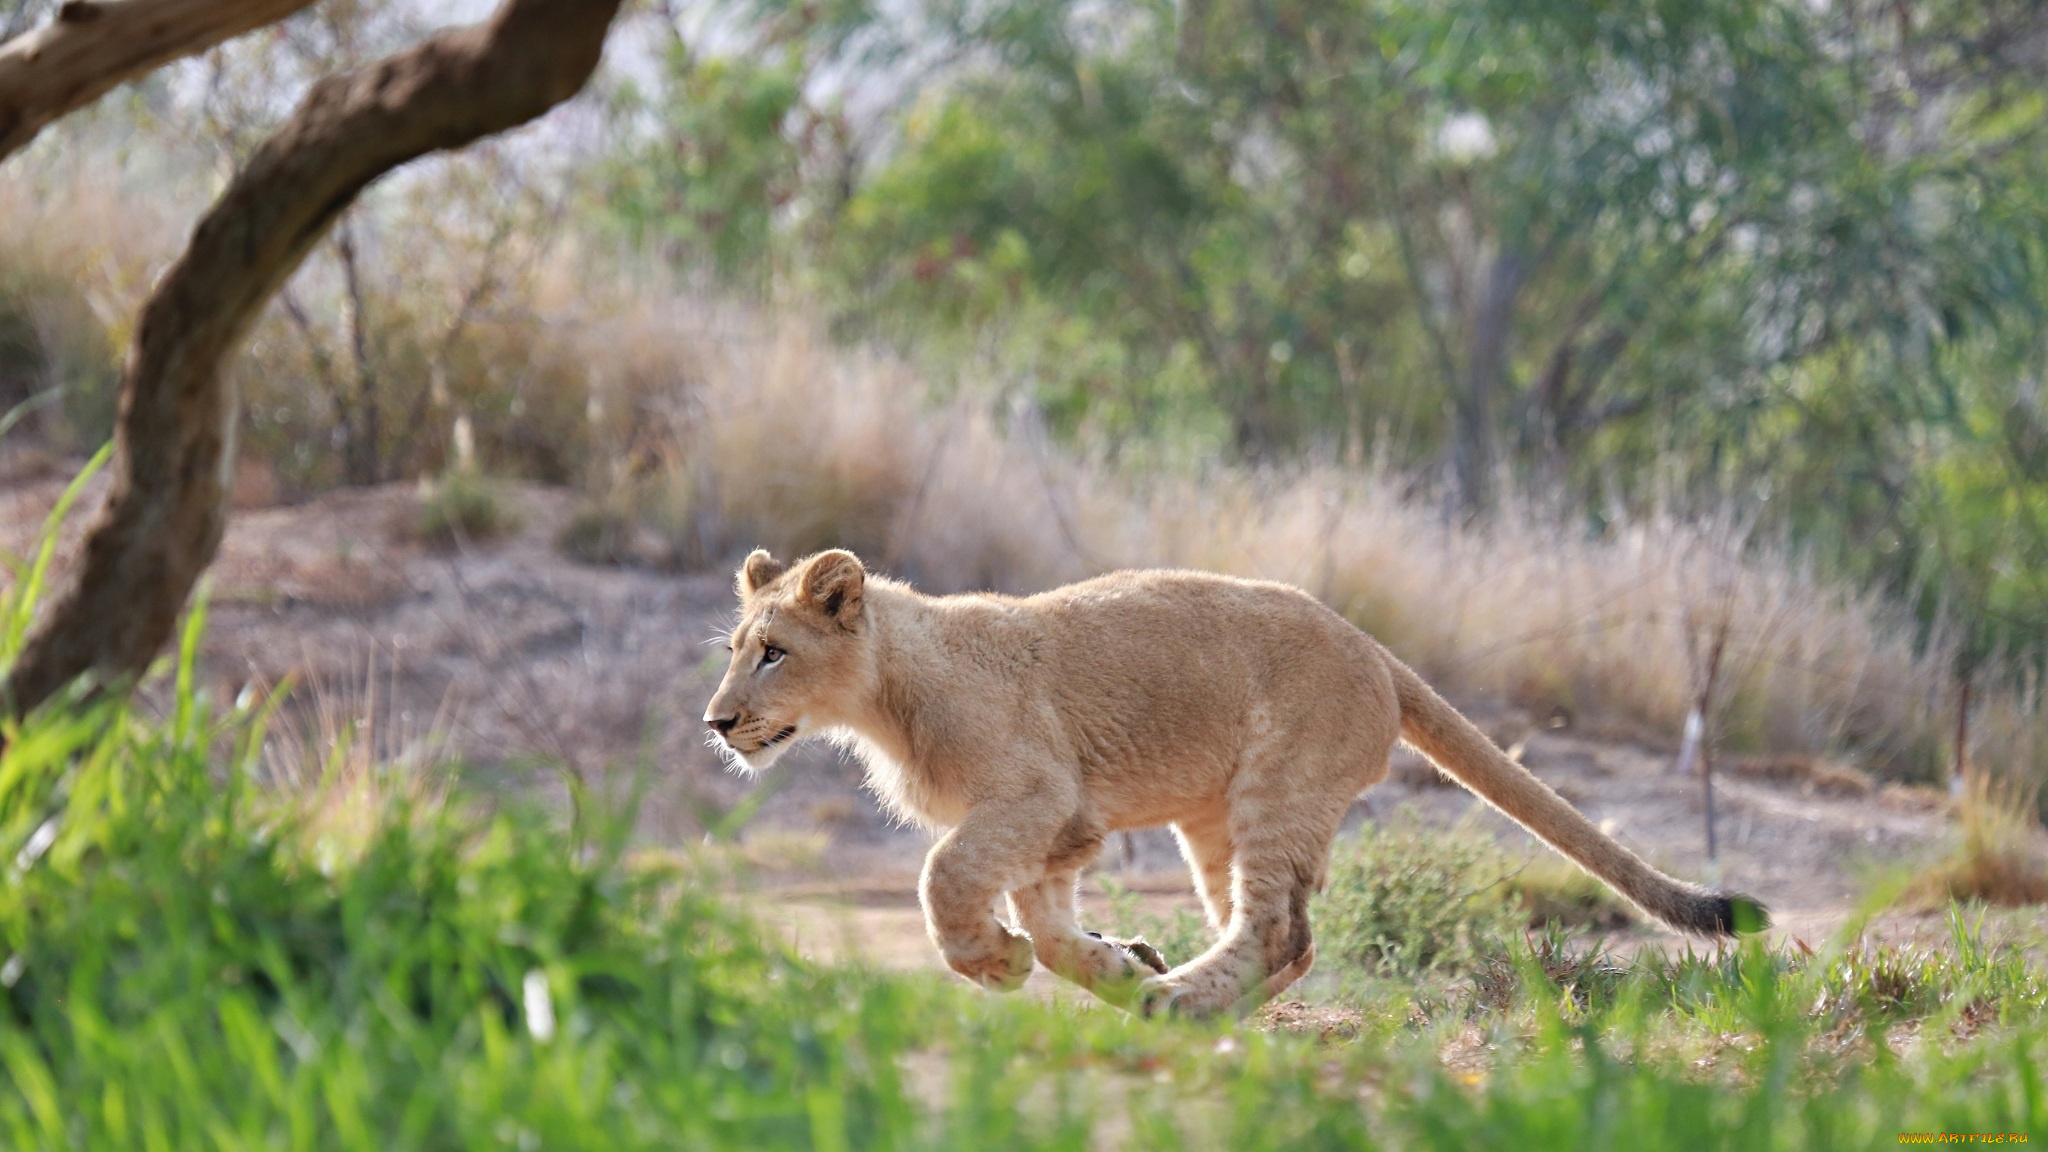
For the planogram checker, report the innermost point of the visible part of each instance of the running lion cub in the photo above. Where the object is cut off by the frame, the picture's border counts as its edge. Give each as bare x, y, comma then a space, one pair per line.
1245, 714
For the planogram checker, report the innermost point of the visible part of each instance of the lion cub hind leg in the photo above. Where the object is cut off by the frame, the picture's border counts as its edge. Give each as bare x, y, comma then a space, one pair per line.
1267, 947
1205, 845
1109, 968
1283, 847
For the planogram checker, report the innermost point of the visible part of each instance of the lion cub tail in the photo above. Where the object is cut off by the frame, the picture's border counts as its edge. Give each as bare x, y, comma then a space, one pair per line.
1459, 748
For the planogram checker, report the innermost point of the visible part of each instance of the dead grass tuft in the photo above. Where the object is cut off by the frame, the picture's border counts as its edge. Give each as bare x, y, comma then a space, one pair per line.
1998, 858
344, 761
1814, 775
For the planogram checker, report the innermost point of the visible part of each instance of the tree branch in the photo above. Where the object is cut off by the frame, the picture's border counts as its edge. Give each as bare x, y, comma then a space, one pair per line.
175, 431
94, 45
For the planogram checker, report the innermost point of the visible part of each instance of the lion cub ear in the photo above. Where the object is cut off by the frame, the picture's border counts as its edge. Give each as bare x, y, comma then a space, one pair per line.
759, 571
833, 581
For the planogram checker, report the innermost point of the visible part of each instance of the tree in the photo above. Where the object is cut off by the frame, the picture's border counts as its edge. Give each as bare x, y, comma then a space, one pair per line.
175, 430
358, 326
95, 45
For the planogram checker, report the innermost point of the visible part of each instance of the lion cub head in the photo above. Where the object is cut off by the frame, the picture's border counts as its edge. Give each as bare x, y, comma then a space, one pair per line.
799, 656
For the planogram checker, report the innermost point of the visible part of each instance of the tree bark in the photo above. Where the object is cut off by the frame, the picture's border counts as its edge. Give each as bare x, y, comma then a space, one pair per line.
1476, 451
175, 428
94, 45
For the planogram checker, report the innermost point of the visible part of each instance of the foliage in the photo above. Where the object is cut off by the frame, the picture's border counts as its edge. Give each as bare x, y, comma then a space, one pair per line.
598, 533
55, 353
1769, 258
1101, 230
463, 507
192, 964
703, 190
1407, 899
1552, 890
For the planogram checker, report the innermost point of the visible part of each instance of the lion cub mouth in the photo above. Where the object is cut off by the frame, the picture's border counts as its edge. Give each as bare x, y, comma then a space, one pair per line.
755, 757
779, 736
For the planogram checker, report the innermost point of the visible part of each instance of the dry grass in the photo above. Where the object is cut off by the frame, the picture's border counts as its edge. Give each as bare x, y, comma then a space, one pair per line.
74, 268
340, 753
700, 429
1812, 775
727, 429
1998, 857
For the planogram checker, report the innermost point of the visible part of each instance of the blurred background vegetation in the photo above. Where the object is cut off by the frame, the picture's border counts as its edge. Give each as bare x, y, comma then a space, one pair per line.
1741, 255
1501, 324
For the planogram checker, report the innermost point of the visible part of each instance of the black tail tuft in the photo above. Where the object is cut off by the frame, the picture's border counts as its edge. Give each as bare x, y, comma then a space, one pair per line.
1729, 914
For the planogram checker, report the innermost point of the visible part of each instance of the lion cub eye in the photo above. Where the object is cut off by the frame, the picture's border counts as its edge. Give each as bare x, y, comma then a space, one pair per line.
770, 654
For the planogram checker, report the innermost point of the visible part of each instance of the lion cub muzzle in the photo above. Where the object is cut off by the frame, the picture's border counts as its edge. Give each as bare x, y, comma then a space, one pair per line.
747, 735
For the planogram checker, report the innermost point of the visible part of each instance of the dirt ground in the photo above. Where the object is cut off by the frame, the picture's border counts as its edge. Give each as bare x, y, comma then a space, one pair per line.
513, 667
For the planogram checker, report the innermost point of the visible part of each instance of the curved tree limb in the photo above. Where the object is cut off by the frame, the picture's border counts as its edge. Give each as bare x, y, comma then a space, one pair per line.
175, 429
94, 45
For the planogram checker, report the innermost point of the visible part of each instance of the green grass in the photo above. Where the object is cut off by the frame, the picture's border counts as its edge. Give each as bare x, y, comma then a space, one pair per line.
195, 962
190, 959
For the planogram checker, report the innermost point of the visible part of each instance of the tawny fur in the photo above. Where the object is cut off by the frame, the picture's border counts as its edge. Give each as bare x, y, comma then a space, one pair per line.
1243, 713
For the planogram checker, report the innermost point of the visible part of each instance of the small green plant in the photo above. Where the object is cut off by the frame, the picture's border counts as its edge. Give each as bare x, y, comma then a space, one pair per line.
1180, 938
1589, 977
463, 507
1406, 899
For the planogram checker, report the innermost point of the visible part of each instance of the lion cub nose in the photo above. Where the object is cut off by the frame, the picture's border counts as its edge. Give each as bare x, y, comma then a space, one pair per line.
721, 724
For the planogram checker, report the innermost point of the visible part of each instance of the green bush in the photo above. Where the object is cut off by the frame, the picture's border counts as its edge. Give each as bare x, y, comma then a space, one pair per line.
1407, 899
462, 508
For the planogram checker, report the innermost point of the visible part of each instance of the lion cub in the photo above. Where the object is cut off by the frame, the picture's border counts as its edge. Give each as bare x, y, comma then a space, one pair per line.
1243, 713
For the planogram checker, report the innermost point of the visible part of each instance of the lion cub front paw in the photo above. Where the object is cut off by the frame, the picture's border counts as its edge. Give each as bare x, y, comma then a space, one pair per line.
1136, 951
1001, 968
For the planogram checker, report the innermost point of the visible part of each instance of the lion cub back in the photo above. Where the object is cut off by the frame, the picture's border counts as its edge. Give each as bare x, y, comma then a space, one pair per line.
1192, 671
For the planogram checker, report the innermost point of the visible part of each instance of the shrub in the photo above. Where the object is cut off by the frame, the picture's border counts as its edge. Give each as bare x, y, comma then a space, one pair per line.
1408, 899
463, 507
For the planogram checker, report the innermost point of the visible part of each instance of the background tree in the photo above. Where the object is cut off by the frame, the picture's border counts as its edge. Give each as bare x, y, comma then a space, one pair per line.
1745, 253
91, 46
164, 517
